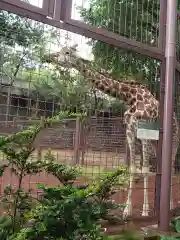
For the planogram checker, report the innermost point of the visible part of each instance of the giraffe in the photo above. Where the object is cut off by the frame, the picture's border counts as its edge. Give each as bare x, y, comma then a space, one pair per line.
142, 105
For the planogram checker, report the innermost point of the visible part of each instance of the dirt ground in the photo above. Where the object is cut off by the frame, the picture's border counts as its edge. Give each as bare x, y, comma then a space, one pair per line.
30, 182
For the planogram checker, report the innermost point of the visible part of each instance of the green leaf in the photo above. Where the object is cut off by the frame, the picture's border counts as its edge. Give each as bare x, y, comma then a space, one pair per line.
177, 225
39, 185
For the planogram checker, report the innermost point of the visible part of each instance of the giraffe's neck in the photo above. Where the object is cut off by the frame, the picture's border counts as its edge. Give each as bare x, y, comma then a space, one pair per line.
103, 82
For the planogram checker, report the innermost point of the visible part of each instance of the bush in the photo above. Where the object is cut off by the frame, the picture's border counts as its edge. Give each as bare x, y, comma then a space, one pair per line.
61, 212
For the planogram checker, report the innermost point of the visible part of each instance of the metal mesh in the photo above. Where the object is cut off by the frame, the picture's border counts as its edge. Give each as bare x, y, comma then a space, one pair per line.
31, 88
137, 20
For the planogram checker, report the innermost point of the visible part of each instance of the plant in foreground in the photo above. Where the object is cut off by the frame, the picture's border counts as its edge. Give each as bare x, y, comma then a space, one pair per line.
68, 211
18, 149
65, 211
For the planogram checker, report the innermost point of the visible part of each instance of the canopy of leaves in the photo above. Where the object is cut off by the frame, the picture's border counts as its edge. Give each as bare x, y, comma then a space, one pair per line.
23, 41
70, 92
16, 30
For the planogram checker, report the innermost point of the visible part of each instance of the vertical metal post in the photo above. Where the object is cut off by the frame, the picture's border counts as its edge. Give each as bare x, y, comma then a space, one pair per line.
57, 10
66, 9
76, 157
161, 46
159, 147
168, 114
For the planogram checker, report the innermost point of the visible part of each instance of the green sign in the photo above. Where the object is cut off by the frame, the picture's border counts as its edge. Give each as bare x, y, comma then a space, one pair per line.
148, 130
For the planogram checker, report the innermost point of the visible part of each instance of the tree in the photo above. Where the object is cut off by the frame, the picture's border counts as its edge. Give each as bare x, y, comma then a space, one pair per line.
130, 19
135, 20
22, 42
71, 92
20, 38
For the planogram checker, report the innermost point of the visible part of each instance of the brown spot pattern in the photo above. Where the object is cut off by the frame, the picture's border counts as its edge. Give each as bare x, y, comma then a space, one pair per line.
140, 91
139, 97
128, 95
141, 101
132, 101
132, 109
140, 106
133, 91
124, 88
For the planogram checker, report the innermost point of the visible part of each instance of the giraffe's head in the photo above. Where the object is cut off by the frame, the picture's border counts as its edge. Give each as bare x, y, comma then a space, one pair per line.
67, 55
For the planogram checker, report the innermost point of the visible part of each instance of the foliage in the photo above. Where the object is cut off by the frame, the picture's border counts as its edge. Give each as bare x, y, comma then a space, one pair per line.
175, 228
175, 224
17, 30
64, 89
131, 20
68, 211
64, 211
18, 149
21, 41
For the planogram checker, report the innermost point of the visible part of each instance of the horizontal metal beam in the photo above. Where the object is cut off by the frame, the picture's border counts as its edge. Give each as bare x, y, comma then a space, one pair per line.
114, 39
89, 31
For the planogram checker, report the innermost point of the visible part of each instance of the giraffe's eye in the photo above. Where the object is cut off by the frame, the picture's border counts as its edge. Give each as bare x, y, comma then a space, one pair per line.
67, 53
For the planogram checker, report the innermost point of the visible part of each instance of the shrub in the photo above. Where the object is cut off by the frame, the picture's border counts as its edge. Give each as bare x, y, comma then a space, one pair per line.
61, 212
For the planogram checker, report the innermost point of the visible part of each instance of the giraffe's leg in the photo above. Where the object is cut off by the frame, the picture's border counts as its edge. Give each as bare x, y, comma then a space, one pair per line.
145, 170
132, 168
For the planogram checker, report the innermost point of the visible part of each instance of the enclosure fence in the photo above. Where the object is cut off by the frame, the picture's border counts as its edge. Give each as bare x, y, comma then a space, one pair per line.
129, 41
